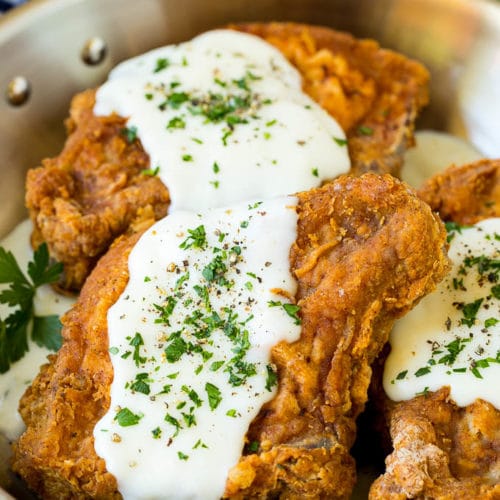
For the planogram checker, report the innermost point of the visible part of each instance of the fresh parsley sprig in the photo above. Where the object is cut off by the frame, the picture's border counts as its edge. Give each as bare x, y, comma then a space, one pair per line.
45, 330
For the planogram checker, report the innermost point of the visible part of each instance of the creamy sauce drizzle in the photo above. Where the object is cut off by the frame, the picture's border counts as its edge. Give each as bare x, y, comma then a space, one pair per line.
452, 337
181, 398
433, 152
223, 119
47, 302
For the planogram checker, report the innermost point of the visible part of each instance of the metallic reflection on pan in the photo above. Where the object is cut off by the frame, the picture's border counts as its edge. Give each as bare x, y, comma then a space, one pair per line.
59, 47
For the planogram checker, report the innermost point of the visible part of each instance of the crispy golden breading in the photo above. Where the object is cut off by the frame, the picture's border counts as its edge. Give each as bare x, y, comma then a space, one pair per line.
88, 195
374, 94
367, 249
81, 200
442, 451
465, 194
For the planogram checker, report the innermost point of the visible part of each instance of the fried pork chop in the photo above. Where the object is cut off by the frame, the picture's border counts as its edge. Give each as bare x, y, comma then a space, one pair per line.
367, 249
441, 450
81, 200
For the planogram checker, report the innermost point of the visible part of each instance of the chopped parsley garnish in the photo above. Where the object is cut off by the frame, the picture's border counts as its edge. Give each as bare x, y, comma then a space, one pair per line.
180, 282
141, 383
469, 311
137, 341
315, 172
174, 100
483, 363
176, 122
425, 392
454, 348
490, 322
365, 130
216, 365
126, 418
422, 371
197, 239
182, 456
216, 168
340, 141
161, 64
20, 293
177, 347
166, 389
272, 378
215, 271
199, 444
174, 422
253, 446
187, 157
214, 395
252, 207
192, 395
130, 134
166, 310
150, 171
291, 309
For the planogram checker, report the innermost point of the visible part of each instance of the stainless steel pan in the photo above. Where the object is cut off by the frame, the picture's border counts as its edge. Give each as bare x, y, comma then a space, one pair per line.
56, 48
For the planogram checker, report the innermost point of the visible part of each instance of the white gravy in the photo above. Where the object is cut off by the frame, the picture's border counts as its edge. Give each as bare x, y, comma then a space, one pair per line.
433, 152
452, 337
223, 119
180, 407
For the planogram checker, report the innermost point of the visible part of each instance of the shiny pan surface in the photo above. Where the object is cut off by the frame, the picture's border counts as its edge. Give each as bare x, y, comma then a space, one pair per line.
51, 49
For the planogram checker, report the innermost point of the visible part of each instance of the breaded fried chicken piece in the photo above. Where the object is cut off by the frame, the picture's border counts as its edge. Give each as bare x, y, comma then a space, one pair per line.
367, 249
443, 451
81, 200
465, 194
88, 195
374, 94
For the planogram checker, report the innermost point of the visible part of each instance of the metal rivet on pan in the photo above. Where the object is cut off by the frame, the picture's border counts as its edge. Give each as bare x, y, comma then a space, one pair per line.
94, 51
18, 91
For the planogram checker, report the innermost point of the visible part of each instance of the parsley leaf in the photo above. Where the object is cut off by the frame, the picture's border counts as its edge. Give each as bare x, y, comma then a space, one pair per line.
126, 418
469, 311
130, 134
19, 294
272, 378
291, 309
214, 395
47, 331
197, 239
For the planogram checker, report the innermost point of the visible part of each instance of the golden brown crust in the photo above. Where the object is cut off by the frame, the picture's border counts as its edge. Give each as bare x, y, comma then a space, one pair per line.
361, 85
367, 250
442, 451
81, 200
88, 195
465, 194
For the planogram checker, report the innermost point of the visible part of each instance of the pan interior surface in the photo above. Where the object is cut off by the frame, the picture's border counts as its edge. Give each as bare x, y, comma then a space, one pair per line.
52, 49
